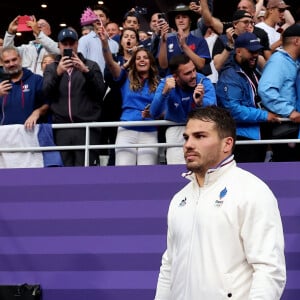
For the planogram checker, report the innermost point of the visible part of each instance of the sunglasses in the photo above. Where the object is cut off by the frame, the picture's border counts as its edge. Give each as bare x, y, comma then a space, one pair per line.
247, 22
281, 10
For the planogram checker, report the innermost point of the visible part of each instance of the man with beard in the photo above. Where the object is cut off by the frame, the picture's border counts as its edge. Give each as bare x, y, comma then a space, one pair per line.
237, 91
21, 97
176, 96
225, 237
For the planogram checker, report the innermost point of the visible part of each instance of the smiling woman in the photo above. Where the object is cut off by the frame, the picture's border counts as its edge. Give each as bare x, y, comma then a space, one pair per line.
57, 14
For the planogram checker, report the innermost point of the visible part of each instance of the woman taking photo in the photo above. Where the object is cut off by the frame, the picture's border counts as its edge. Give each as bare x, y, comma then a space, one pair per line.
138, 80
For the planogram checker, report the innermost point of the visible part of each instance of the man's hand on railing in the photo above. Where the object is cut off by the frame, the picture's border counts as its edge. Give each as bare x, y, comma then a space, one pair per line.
273, 118
295, 116
31, 120
35, 115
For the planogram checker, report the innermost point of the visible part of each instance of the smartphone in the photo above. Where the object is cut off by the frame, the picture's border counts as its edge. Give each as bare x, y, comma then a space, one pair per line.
141, 10
22, 23
147, 106
68, 52
197, 95
5, 76
161, 16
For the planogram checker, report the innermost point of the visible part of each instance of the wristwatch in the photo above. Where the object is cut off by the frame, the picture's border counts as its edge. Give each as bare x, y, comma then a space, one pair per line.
229, 48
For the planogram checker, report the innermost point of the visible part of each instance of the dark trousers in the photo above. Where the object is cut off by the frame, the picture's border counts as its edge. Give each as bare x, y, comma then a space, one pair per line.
286, 152
249, 153
75, 137
111, 112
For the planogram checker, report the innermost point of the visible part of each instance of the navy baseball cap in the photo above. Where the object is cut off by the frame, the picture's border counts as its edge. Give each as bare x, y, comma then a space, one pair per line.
67, 33
249, 41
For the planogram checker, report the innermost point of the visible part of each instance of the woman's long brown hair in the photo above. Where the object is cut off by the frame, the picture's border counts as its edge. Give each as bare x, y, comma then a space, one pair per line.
136, 83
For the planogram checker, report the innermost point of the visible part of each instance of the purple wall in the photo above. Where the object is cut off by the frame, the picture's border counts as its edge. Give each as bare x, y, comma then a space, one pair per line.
99, 233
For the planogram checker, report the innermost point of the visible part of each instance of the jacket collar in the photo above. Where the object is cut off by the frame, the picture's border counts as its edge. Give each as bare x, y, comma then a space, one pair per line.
213, 174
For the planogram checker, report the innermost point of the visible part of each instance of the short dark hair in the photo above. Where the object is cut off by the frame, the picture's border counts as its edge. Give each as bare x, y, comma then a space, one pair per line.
176, 61
222, 118
131, 13
103, 8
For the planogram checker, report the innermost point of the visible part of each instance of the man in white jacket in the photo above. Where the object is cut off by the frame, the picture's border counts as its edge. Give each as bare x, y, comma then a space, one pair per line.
32, 53
225, 237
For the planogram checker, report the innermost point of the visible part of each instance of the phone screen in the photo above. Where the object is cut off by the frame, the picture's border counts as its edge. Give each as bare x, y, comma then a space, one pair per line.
5, 76
161, 16
68, 52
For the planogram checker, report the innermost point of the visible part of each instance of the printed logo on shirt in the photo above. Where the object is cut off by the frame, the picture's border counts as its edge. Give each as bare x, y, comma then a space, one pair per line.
192, 47
171, 47
25, 88
185, 99
219, 202
183, 202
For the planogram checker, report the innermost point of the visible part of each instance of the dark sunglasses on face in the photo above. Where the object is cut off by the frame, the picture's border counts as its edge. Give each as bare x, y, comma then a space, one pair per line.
247, 22
281, 10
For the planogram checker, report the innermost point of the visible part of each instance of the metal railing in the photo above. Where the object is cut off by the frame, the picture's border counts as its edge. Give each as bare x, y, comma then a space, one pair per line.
89, 125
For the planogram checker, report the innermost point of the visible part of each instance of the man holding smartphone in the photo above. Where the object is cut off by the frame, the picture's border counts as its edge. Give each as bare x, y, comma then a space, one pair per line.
21, 97
76, 87
33, 52
176, 96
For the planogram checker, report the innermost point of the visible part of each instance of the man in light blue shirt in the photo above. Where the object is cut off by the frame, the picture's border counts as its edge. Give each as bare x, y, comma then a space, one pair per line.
277, 89
90, 45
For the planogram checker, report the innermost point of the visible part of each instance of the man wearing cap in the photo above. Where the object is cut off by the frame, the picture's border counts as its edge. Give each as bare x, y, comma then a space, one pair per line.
247, 6
253, 9
183, 42
236, 90
33, 52
242, 21
275, 13
277, 89
76, 87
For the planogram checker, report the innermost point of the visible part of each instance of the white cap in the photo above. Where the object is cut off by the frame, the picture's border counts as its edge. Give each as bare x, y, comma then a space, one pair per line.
261, 13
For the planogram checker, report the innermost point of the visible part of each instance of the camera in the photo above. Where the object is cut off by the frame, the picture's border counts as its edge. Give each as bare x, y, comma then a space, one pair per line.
68, 52
140, 10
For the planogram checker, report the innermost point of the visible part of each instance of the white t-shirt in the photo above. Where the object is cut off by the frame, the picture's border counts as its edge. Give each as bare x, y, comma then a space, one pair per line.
273, 35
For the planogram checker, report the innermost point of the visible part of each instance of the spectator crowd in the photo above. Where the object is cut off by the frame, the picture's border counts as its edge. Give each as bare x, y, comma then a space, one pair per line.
186, 58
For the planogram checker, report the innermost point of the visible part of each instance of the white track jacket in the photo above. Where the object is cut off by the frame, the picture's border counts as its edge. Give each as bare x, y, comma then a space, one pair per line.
225, 240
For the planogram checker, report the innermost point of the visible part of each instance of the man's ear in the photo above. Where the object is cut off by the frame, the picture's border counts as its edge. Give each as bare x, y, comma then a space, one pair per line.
228, 144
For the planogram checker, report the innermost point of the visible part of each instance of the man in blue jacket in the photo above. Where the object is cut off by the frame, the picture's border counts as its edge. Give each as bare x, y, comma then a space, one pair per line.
237, 91
176, 96
21, 96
